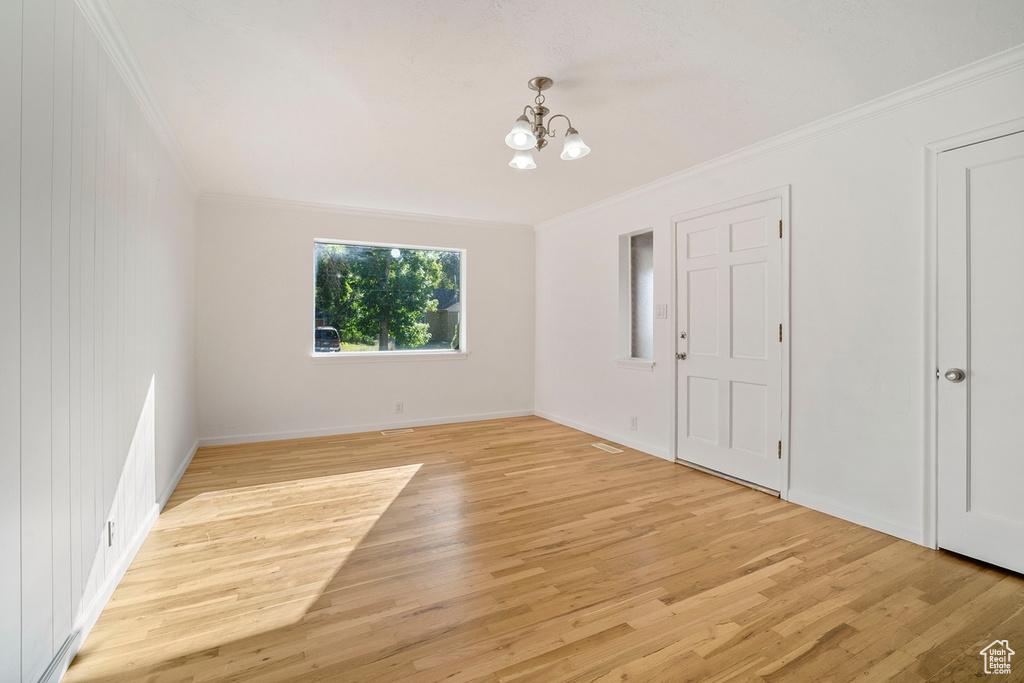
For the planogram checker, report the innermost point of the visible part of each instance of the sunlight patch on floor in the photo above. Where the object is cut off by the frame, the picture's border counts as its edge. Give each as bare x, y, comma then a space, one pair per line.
268, 551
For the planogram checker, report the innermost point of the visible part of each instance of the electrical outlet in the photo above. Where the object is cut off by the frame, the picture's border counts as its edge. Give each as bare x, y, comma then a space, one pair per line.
399, 407
661, 311
632, 423
110, 533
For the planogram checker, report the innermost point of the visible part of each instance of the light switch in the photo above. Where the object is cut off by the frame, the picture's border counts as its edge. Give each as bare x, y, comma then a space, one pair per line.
661, 311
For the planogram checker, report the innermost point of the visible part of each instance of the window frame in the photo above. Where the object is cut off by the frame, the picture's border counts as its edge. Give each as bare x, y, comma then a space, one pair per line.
626, 358
400, 355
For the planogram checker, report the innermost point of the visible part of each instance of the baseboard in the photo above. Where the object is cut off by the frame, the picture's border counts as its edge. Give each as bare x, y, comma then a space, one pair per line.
62, 660
165, 495
603, 434
60, 663
355, 429
886, 526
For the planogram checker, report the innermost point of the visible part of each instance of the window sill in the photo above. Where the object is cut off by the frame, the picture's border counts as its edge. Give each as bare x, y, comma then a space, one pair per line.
386, 357
635, 363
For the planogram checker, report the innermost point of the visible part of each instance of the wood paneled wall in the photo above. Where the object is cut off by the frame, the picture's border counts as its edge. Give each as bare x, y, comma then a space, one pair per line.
91, 307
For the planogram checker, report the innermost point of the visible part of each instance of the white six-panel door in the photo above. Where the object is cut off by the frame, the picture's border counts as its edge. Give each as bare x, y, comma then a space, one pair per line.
729, 299
979, 345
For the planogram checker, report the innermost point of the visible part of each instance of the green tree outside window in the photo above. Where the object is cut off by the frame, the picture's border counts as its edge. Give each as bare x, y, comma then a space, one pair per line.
388, 298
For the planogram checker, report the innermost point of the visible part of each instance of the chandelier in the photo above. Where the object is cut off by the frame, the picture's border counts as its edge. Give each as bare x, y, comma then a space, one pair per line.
527, 135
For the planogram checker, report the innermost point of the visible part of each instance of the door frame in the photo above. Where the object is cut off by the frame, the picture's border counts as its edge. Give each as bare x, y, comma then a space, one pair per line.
931, 371
782, 193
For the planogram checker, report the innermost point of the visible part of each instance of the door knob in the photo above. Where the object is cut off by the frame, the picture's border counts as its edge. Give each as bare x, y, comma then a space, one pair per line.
955, 375
681, 356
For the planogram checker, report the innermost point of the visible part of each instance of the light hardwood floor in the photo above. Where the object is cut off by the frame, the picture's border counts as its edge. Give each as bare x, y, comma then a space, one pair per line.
512, 550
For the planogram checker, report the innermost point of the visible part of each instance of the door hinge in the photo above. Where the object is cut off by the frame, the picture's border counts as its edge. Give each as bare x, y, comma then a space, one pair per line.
780, 333
780, 450
780, 228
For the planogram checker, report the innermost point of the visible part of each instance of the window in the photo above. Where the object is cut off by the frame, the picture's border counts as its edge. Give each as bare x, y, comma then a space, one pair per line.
636, 295
385, 298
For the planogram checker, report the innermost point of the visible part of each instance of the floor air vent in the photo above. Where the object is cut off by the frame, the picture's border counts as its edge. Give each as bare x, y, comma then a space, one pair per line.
389, 432
606, 448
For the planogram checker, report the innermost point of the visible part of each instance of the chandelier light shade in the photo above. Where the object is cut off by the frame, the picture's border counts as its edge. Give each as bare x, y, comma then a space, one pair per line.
531, 131
574, 147
522, 136
523, 159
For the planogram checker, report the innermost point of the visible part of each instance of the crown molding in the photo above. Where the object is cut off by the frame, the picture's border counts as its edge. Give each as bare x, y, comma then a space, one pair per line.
944, 84
360, 212
112, 37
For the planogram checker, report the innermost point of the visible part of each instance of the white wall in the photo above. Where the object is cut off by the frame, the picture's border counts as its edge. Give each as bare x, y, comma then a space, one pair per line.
860, 365
97, 310
257, 379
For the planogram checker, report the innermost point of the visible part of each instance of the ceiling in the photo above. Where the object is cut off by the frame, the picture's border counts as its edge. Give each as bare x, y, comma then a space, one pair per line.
403, 105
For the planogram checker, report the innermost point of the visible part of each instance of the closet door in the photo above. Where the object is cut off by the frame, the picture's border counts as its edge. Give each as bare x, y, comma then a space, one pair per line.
981, 363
